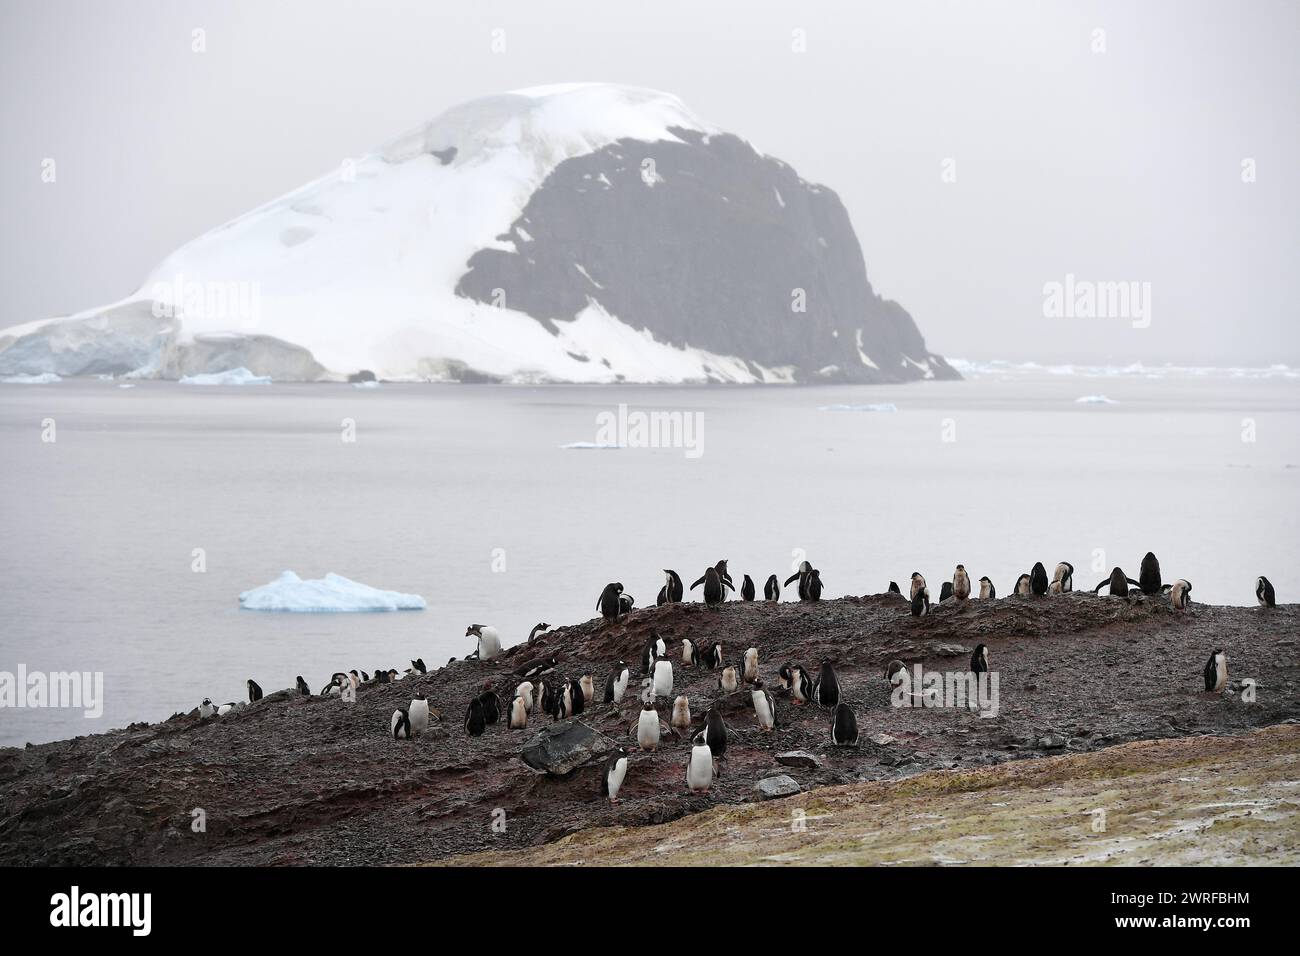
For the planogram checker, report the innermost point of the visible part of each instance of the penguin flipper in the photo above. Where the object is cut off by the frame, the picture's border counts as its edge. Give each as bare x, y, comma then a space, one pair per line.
697, 584
792, 578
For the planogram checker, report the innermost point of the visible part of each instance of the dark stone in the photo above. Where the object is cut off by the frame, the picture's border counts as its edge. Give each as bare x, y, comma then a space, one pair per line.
778, 786
797, 758
562, 748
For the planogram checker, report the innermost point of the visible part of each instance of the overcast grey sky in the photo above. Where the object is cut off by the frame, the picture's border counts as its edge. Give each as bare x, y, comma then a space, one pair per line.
1125, 164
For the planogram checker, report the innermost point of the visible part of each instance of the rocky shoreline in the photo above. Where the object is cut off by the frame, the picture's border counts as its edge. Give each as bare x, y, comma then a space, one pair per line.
298, 780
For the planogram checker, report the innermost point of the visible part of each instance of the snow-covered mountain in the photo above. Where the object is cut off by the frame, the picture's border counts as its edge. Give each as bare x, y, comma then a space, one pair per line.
581, 233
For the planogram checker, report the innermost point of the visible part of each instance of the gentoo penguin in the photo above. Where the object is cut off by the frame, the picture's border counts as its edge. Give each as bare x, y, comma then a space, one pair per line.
699, 769
1023, 586
715, 733
828, 685
647, 727
896, 673
608, 604
489, 642
987, 591
979, 659
961, 583
518, 713
1149, 574
1216, 670
303, 688
525, 691
532, 670
713, 655
382, 677
1038, 579
1264, 593
844, 726
785, 677
549, 696
747, 591
626, 603
805, 568
690, 653
563, 700
751, 665
672, 590
656, 647
254, 691
616, 683
1063, 578
615, 771
417, 666
801, 685
333, 688
894, 588
577, 698
207, 708
588, 689
945, 592
491, 703
228, 707
921, 602
764, 706
724, 574
537, 629
918, 585
772, 589
1118, 583
715, 588
812, 586
663, 677
475, 723
401, 725
729, 680
681, 719
1180, 595
418, 713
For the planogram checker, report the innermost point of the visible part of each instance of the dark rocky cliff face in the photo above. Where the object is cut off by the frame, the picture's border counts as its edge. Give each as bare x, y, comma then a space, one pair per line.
705, 243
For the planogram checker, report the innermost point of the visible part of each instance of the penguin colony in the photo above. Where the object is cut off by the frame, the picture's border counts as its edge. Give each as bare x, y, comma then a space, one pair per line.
538, 690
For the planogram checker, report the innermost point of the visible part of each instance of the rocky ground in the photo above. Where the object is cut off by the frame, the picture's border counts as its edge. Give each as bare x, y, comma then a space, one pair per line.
293, 780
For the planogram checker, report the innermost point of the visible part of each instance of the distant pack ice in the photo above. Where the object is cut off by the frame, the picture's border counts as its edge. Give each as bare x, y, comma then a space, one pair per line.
580, 233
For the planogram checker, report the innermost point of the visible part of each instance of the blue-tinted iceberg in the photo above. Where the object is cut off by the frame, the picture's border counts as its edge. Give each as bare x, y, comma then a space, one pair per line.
332, 593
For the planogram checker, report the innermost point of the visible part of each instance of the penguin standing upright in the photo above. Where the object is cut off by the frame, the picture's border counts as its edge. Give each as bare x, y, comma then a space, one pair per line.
699, 769
715, 588
1180, 594
616, 683
894, 589
918, 585
1023, 586
475, 723
987, 591
681, 719
772, 589
801, 575
207, 709
812, 587
801, 685
747, 588
828, 685
715, 733
418, 715
729, 679
1216, 670
647, 726
751, 665
401, 725
672, 590
663, 677
254, 691
979, 659
844, 726
489, 641
1063, 578
303, 688
577, 698
518, 714
690, 654
655, 648
608, 603
713, 655
961, 583
1264, 592
615, 772
1118, 582
1038, 583
945, 592
785, 676
896, 673
491, 703
921, 602
1149, 574
764, 706
525, 691
588, 689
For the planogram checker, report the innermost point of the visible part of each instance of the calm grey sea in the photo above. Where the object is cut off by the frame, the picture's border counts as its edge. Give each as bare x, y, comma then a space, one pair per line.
465, 495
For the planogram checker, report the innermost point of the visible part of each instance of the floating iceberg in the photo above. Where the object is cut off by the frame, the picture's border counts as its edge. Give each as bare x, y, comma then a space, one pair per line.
233, 376
332, 593
1095, 400
45, 378
590, 444
881, 407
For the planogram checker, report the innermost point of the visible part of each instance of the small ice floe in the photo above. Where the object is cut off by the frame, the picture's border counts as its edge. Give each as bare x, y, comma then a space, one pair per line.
878, 407
591, 444
231, 376
45, 378
126, 385
332, 593
371, 383
1095, 400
